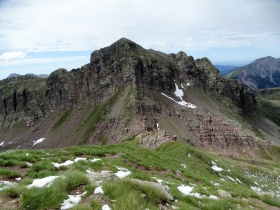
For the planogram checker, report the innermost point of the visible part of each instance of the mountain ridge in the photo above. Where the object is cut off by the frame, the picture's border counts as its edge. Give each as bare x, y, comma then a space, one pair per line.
261, 73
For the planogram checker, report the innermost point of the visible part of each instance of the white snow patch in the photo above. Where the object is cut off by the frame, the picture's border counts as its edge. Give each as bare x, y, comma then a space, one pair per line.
188, 84
66, 163
160, 181
231, 179
71, 201
90, 171
184, 166
18, 178
98, 190
157, 126
42, 182
106, 207
7, 184
94, 160
70, 162
38, 141
27, 154
256, 189
189, 155
2, 144
179, 93
122, 172
215, 167
187, 190
78, 159
214, 197
28, 164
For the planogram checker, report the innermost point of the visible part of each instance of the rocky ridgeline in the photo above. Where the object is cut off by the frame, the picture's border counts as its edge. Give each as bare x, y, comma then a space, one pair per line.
122, 64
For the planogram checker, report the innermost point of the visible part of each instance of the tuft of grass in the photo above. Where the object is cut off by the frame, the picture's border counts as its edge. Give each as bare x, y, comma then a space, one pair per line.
41, 169
95, 204
9, 173
45, 198
14, 191
270, 200
74, 179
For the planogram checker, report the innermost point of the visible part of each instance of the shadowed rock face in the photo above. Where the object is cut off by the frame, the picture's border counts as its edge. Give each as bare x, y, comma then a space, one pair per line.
262, 73
122, 64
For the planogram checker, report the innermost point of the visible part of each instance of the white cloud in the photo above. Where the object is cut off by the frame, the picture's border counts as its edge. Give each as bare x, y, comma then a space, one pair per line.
7, 56
30, 61
89, 24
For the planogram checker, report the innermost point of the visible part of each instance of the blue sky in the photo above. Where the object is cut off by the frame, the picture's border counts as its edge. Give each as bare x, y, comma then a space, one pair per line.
42, 36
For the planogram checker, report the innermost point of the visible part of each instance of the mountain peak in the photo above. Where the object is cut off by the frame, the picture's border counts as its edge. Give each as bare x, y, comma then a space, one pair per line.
261, 73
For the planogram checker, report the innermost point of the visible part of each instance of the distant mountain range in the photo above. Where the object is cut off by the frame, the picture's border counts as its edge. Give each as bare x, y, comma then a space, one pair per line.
225, 69
17, 75
261, 73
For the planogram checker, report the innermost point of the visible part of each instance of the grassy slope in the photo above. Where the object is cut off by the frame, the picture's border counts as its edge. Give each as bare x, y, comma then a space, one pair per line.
236, 178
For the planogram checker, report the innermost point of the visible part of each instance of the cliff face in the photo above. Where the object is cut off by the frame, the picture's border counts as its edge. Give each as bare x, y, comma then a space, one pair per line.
122, 64
125, 62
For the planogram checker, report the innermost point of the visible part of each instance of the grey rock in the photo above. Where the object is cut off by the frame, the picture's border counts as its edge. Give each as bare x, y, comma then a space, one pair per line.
157, 186
97, 178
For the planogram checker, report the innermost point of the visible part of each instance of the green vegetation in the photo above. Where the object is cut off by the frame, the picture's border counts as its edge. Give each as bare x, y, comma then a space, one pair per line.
98, 113
9, 173
62, 118
176, 164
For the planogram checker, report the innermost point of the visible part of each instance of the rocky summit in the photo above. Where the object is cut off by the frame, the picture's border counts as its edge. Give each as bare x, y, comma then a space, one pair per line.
127, 91
260, 74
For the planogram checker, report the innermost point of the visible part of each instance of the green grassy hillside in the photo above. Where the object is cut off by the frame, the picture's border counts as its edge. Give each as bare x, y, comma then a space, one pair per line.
209, 180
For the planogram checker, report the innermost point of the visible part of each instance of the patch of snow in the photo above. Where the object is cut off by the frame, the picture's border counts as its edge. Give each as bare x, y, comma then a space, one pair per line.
78, 159
189, 155
214, 197
98, 190
187, 190
66, 163
231, 179
18, 178
256, 189
27, 154
90, 171
188, 84
184, 166
106, 207
160, 181
2, 144
122, 172
179, 93
157, 126
94, 160
42, 182
238, 180
28, 164
215, 167
38, 141
71, 201
7, 184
